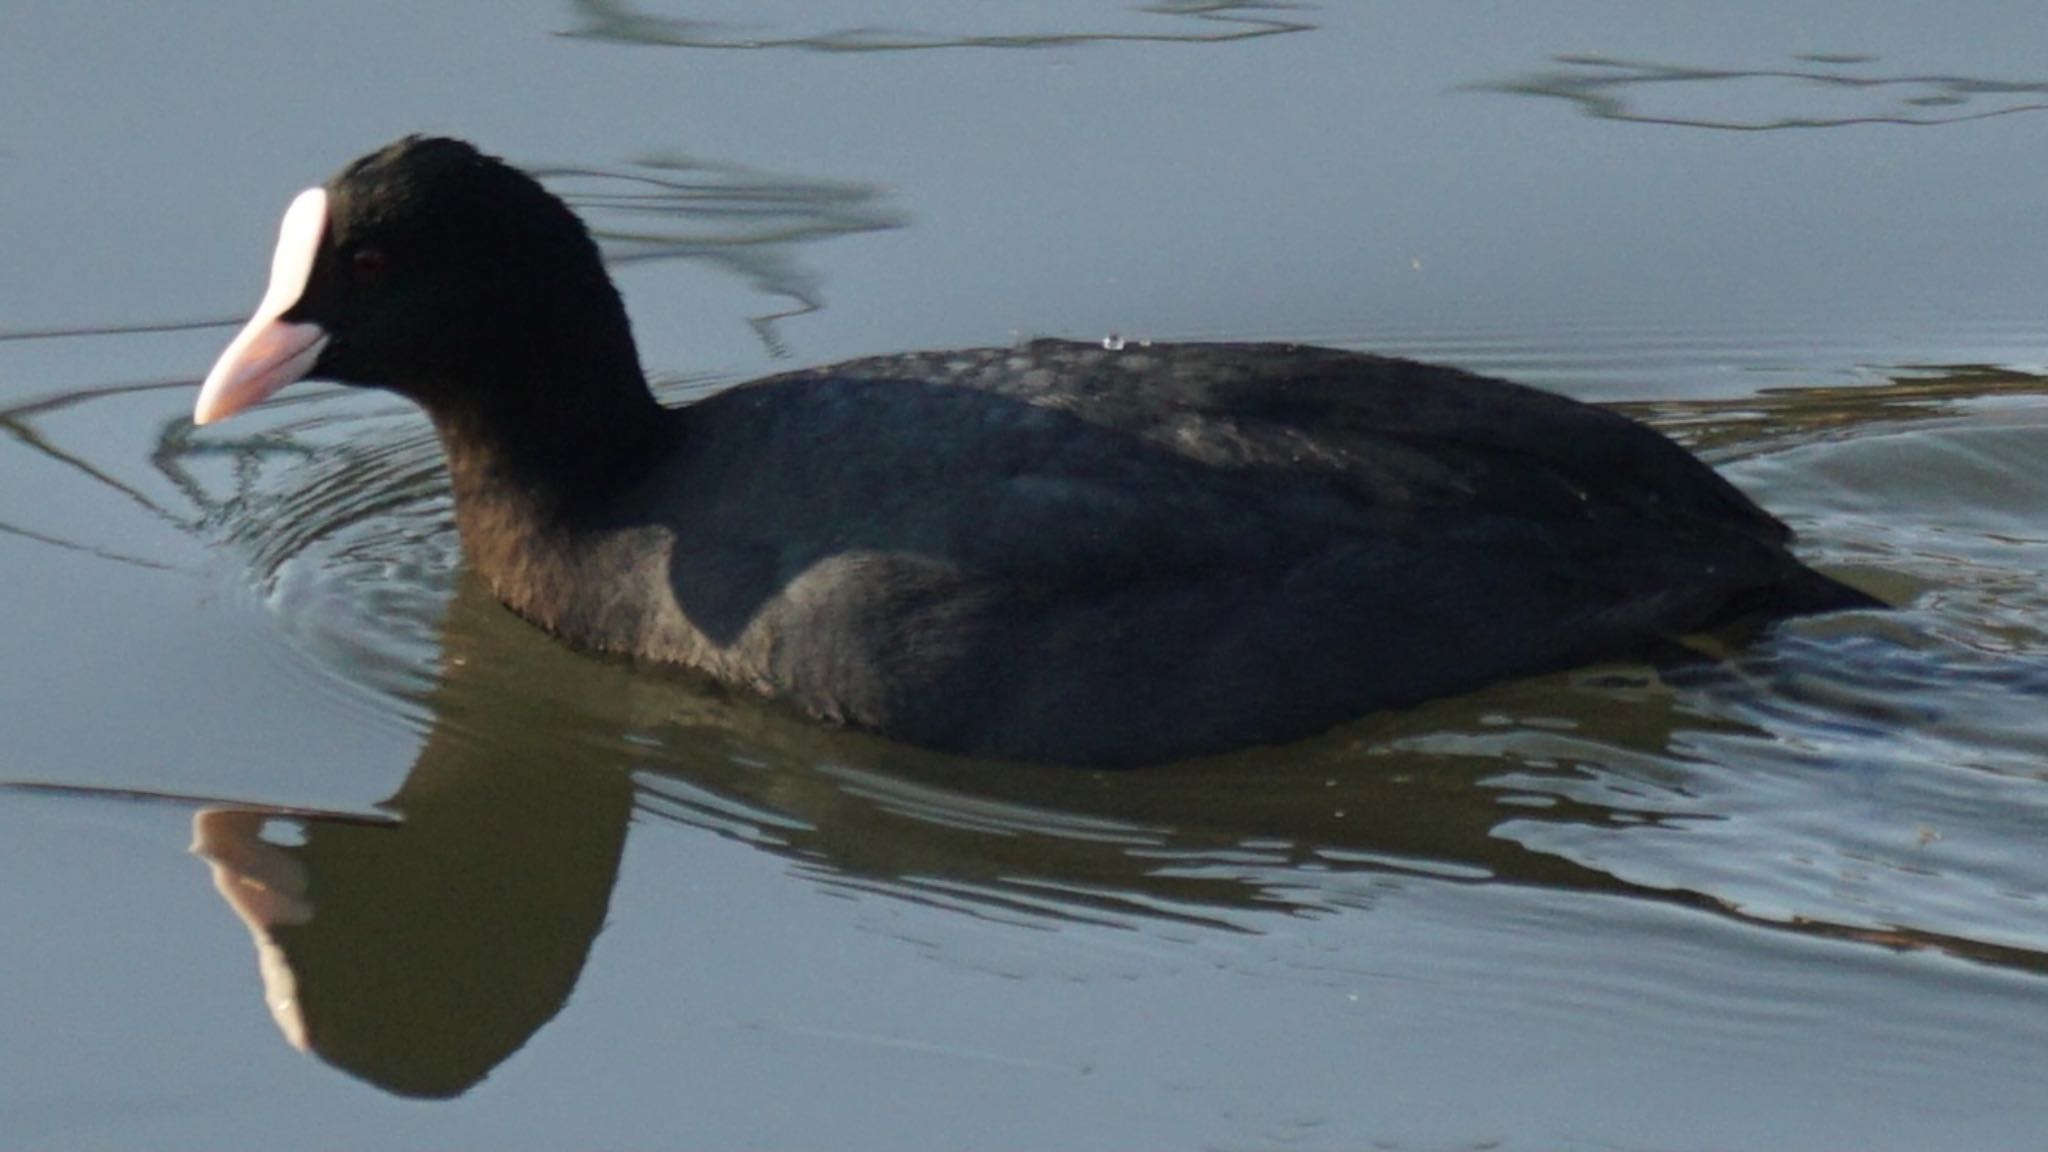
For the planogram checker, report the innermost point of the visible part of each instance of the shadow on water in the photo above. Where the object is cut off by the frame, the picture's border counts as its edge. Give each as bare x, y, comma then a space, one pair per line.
1225, 20
1610, 89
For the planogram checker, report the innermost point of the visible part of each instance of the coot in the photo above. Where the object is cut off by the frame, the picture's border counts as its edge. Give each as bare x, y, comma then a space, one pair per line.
1057, 552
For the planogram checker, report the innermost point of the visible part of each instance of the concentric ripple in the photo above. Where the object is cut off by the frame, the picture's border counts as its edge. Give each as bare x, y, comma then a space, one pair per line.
342, 521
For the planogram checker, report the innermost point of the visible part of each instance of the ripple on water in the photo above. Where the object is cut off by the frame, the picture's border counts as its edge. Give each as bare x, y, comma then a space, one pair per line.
344, 522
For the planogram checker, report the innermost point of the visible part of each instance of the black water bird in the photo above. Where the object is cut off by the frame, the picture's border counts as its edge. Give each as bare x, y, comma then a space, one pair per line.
1058, 551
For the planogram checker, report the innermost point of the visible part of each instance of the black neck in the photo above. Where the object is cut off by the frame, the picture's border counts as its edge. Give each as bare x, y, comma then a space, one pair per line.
542, 449
561, 455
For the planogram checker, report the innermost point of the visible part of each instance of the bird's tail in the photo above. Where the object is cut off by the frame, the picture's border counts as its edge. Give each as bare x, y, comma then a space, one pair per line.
1802, 592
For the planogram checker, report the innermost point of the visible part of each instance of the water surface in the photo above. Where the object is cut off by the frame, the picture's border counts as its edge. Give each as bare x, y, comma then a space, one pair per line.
454, 886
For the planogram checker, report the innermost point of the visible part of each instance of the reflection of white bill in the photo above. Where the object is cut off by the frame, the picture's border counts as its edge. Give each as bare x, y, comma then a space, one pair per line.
266, 887
418, 952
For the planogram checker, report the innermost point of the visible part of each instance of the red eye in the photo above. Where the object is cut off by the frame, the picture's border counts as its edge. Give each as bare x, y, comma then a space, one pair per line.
369, 263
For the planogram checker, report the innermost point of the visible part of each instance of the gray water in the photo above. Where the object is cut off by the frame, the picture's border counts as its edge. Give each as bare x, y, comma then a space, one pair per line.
326, 850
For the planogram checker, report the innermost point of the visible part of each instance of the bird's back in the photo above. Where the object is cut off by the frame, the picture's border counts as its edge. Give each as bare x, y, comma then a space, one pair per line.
1066, 552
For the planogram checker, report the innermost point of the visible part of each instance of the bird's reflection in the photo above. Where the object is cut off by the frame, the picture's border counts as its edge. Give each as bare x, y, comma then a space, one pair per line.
421, 954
